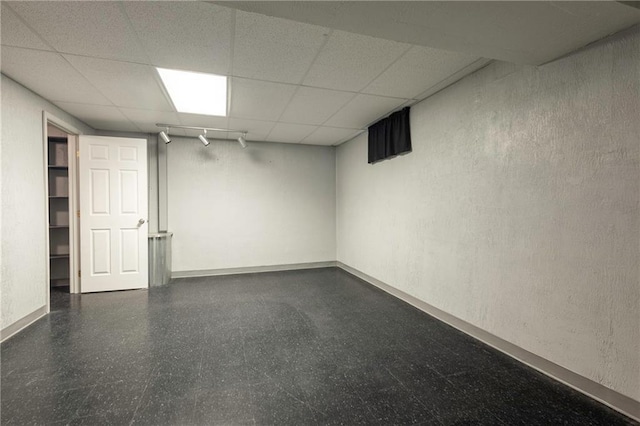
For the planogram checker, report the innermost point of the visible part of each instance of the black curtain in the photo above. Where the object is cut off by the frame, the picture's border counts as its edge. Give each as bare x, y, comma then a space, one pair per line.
377, 138
390, 136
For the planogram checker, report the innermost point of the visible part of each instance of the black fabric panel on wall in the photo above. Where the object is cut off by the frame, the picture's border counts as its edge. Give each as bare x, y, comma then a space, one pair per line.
390, 136
377, 137
399, 139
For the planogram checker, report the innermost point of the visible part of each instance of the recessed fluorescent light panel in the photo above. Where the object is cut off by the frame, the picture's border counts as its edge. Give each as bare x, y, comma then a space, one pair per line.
195, 92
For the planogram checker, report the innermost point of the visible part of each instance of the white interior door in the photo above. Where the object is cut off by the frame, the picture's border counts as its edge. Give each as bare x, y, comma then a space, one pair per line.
113, 213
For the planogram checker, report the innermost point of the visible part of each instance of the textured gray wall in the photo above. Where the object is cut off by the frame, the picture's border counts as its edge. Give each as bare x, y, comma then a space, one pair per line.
269, 204
518, 210
23, 279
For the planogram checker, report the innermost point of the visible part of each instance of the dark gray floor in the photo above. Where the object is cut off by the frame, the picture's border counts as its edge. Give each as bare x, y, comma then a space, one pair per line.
300, 347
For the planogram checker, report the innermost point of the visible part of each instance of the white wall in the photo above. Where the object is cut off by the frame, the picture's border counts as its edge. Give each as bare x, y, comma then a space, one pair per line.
518, 209
23, 283
270, 204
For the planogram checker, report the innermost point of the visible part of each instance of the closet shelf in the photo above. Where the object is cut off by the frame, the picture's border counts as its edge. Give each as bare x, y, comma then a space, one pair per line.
58, 255
58, 196
58, 226
61, 281
57, 167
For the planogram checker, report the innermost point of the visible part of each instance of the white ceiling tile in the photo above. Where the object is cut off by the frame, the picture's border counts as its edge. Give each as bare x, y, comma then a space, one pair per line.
197, 120
274, 49
90, 28
260, 100
313, 106
290, 133
363, 110
418, 70
257, 130
453, 77
16, 33
193, 36
178, 132
49, 75
99, 116
330, 136
173, 132
123, 83
351, 61
187, 119
146, 120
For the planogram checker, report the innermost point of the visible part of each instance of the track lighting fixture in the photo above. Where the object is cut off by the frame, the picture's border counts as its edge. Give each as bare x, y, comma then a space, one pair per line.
203, 138
165, 136
242, 141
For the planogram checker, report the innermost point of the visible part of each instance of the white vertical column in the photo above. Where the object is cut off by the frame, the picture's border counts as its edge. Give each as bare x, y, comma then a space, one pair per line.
163, 204
152, 152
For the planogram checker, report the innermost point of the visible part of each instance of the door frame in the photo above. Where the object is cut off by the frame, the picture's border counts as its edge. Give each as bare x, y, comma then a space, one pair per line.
74, 234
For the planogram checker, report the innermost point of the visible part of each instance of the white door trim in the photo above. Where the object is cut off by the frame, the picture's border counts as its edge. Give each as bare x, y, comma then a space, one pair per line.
74, 284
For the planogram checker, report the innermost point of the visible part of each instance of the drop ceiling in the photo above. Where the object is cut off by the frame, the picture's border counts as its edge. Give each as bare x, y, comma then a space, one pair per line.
522, 32
289, 81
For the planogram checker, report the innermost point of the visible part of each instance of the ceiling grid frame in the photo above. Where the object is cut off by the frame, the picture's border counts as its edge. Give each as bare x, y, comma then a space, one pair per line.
365, 105
359, 93
303, 77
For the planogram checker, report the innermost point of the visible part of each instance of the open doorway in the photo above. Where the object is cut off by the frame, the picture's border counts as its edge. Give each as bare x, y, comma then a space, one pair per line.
60, 147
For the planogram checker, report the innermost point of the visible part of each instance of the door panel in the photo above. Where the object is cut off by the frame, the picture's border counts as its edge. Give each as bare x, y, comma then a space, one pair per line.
99, 191
113, 213
100, 252
129, 251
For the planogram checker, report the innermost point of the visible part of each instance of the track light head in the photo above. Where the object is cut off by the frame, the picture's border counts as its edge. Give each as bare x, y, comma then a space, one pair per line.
242, 141
203, 138
165, 136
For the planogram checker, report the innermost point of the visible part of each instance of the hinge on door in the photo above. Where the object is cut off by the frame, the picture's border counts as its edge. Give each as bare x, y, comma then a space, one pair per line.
78, 213
79, 274
78, 154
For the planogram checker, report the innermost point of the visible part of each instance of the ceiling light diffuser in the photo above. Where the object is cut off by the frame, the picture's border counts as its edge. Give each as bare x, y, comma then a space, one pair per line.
195, 92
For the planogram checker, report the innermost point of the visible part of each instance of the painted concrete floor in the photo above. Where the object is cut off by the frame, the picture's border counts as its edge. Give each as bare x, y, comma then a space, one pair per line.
300, 348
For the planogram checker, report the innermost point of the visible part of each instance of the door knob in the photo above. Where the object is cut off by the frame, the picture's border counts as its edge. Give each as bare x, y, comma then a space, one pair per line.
141, 222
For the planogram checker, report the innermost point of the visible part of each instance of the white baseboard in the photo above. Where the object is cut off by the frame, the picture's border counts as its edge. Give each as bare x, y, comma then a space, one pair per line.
252, 269
22, 323
595, 390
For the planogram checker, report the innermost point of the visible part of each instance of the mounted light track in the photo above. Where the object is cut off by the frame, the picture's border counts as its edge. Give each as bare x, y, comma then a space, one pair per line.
203, 137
